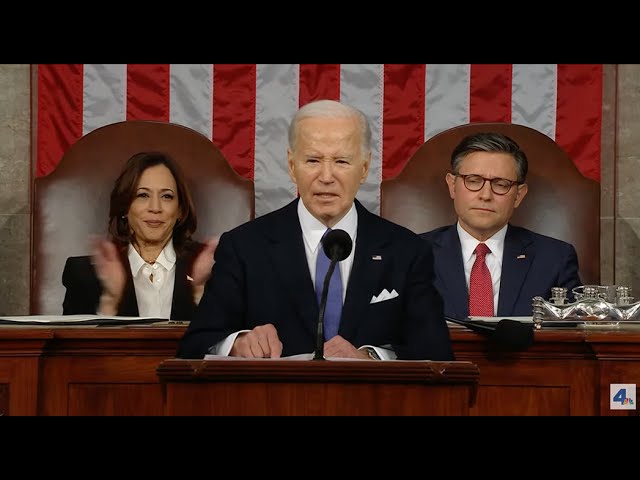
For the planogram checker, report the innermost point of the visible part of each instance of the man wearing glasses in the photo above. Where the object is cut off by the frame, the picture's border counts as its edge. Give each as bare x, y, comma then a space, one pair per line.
484, 266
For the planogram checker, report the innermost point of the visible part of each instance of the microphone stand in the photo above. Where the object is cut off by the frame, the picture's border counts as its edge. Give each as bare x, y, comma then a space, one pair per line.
319, 353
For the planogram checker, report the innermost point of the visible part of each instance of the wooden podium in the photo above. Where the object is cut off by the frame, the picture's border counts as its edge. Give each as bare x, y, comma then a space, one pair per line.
114, 371
306, 387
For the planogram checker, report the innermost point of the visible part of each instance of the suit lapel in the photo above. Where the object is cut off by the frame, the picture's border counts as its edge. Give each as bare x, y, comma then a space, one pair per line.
365, 272
129, 302
289, 262
516, 260
450, 270
182, 292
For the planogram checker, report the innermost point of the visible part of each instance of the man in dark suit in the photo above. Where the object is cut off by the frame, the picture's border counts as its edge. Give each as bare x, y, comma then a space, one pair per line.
261, 299
487, 183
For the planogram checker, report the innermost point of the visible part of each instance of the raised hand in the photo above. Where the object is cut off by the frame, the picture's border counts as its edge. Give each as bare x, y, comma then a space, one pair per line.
110, 272
201, 270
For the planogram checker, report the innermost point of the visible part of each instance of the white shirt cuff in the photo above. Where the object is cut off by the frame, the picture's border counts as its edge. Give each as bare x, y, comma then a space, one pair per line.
223, 347
383, 353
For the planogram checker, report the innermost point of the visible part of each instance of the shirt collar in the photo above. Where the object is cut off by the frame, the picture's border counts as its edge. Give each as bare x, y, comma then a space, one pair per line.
469, 243
166, 259
313, 229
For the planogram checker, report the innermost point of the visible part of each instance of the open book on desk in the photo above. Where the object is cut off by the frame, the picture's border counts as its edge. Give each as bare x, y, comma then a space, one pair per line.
89, 320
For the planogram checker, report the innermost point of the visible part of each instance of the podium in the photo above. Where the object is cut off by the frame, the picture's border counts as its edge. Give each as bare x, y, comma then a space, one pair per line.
305, 387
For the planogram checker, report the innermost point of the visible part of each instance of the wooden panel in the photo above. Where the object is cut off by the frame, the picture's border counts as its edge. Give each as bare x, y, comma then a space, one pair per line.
4, 400
110, 399
618, 372
315, 399
126, 375
281, 387
560, 361
20, 350
522, 400
576, 376
123, 359
19, 377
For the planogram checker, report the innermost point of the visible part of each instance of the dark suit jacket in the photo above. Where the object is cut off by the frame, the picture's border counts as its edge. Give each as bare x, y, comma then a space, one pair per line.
84, 289
547, 263
261, 276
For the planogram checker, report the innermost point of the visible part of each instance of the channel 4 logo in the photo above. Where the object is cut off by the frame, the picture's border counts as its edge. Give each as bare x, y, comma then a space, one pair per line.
622, 396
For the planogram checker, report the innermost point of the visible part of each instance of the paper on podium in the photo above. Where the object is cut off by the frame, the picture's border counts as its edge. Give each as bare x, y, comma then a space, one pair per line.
497, 319
301, 356
62, 320
489, 320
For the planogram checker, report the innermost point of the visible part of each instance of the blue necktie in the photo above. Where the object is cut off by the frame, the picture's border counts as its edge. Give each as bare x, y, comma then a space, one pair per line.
333, 310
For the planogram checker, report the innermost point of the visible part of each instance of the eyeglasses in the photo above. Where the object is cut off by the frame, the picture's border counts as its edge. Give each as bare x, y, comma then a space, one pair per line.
499, 186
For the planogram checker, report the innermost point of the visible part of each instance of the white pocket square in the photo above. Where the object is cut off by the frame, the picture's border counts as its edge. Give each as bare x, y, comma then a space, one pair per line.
384, 295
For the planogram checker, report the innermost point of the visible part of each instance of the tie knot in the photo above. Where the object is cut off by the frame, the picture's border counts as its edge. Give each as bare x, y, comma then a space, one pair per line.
482, 250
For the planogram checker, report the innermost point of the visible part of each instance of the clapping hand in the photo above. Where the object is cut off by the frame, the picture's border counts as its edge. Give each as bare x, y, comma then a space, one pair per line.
110, 272
202, 265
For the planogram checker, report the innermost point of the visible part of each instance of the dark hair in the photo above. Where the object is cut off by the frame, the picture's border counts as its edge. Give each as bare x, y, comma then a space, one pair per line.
490, 142
124, 191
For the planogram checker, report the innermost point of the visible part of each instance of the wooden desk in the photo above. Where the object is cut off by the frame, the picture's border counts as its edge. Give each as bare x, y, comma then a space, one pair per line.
565, 372
109, 370
290, 387
83, 370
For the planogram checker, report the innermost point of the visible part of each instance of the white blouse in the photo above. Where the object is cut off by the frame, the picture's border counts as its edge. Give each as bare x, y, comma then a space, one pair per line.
154, 283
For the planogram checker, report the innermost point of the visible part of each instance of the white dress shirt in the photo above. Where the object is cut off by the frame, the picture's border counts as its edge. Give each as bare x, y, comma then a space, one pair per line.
154, 282
493, 259
312, 232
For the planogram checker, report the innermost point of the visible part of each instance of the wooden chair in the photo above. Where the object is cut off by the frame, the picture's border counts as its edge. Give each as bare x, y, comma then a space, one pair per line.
561, 202
73, 201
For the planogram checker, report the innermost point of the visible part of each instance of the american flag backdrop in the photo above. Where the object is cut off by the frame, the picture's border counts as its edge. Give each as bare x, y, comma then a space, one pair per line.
245, 108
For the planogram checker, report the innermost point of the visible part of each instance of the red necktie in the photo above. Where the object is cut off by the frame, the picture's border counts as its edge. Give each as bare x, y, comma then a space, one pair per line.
481, 286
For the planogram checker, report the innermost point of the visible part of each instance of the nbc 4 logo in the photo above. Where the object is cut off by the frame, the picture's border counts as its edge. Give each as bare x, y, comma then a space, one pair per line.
622, 396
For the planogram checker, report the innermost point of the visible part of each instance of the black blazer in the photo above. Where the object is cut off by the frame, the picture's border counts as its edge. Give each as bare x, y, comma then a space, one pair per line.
261, 276
84, 289
531, 265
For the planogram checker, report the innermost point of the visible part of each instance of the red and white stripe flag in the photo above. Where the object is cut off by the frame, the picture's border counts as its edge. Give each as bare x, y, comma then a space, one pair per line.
245, 109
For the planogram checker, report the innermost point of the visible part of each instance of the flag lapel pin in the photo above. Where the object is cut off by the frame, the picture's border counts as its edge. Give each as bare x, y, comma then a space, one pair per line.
521, 257
376, 257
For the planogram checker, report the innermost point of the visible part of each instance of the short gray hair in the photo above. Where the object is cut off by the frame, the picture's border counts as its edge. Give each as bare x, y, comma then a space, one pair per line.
330, 109
491, 142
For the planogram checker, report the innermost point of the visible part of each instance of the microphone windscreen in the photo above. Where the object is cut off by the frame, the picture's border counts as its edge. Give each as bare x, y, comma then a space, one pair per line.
513, 334
337, 245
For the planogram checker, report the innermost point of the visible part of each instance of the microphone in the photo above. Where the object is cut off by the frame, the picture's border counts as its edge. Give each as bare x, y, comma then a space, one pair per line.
337, 246
508, 334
